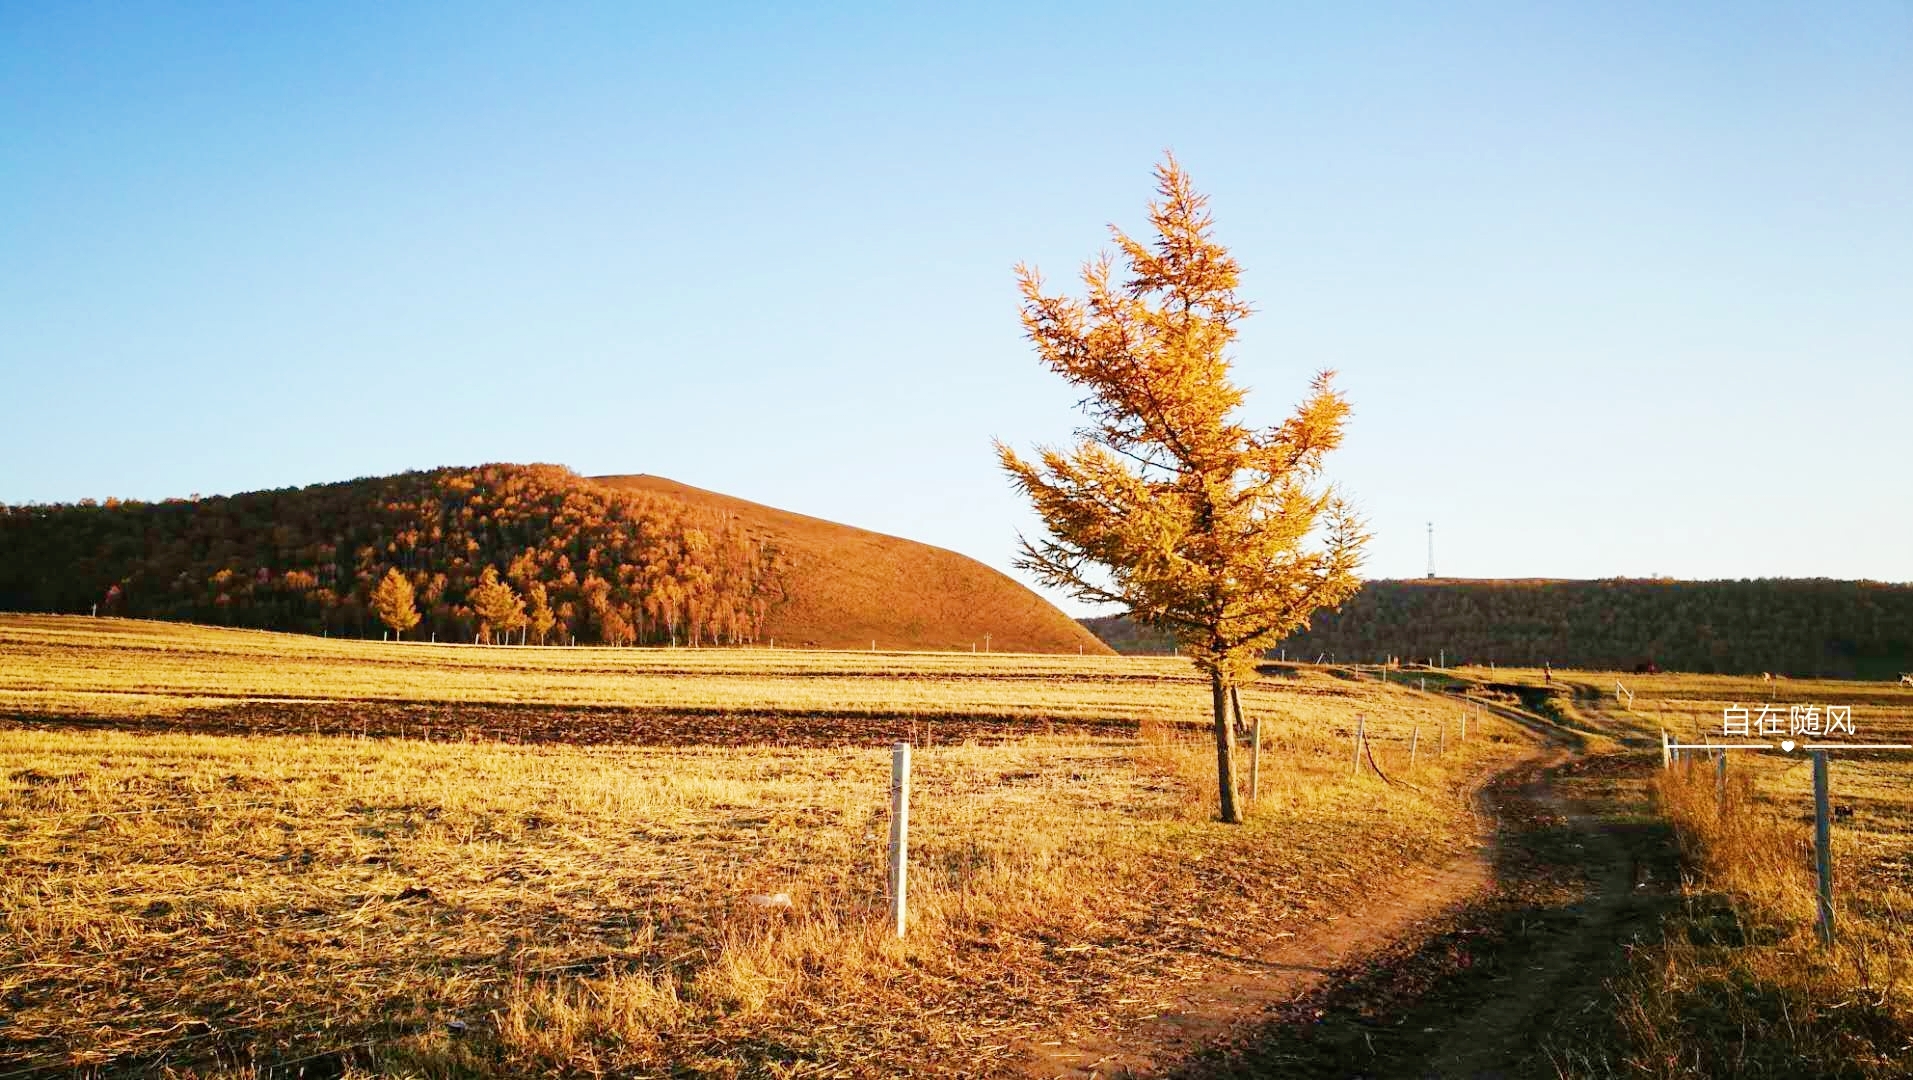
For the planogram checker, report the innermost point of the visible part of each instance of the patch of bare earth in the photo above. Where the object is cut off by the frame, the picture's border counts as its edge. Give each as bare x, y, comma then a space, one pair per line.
1262, 975
1494, 965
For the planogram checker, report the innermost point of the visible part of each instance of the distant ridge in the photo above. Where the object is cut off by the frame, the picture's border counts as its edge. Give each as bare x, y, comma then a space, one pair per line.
1791, 626
845, 587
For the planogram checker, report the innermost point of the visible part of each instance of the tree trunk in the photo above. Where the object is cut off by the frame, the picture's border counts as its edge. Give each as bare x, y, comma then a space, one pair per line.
1225, 747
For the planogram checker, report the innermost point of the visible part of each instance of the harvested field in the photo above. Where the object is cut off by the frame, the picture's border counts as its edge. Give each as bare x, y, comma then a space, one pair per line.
216, 903
199, 678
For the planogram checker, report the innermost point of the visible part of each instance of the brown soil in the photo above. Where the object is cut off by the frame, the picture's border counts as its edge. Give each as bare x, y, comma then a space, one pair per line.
581, 725
1488, 967
1250, 987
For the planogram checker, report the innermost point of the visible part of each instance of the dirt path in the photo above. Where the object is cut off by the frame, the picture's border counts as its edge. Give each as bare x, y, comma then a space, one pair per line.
1245, 993
1551, 976
1491, 967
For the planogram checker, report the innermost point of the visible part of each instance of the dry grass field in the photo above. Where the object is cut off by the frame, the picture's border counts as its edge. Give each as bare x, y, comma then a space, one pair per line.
122, 671
507, 862
1741, 986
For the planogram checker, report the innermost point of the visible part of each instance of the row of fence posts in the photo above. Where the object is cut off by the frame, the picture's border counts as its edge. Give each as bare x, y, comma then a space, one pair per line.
898, 874
1674, 755
1414, 740
1671, 756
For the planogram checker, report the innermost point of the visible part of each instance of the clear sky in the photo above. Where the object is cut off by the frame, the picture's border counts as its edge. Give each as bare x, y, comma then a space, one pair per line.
1616, 289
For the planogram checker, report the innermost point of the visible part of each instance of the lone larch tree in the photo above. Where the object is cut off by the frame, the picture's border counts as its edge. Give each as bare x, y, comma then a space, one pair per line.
1168, 504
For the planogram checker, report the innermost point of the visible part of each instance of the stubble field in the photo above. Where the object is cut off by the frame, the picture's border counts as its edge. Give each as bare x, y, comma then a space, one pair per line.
232, 853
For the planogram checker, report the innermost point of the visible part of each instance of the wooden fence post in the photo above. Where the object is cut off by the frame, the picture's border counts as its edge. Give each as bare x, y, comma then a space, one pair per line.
899, 833
1823, 847
1355, 768
1255, 736
1441, 740
1720, 781
1414, 743
1464, 726
1255, 760
1667, 752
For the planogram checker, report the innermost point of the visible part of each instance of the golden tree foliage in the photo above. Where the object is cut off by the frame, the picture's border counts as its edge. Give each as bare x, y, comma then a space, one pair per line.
1168, 503
498, 608
541, 617
309, 559
393, 602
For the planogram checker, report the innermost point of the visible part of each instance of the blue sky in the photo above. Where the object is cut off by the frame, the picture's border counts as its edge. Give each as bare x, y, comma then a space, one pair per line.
1615, 289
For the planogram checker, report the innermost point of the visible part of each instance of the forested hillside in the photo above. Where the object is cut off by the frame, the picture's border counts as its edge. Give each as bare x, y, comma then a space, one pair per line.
520, 553
1800, 627
568, 557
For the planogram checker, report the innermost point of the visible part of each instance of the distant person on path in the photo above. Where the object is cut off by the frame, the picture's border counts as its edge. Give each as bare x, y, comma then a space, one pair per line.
1547, 671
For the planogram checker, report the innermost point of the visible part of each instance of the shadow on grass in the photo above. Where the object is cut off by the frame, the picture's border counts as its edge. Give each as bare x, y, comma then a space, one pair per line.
1723, 1019
1496, 988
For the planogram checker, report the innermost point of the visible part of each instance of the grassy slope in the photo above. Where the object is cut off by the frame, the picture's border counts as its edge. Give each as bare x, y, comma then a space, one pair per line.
583, 908
849, 586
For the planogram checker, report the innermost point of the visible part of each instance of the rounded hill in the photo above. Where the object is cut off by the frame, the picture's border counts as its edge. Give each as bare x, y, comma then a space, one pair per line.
845, 587
518, 553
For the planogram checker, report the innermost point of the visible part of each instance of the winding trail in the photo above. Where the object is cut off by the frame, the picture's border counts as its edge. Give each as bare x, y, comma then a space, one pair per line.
1491, 966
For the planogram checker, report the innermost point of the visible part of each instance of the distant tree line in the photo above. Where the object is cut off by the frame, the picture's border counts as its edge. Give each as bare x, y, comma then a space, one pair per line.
1126, 635
535, 552
1798, 627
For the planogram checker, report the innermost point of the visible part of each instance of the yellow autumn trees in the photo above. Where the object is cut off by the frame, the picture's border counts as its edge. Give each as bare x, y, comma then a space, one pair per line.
309, 559
394, 603
1168, 503
498, 608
